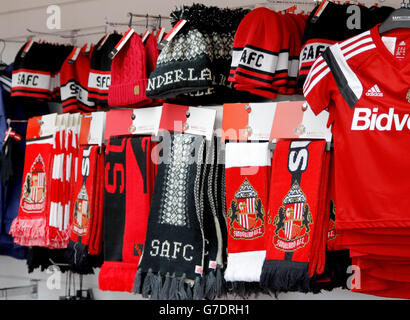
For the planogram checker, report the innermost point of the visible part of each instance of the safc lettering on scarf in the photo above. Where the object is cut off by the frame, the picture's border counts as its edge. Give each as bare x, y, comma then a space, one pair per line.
293, 218
246, 213
34, 188
370, 119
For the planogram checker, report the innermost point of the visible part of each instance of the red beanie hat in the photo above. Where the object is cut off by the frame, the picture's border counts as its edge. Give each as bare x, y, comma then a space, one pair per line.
128, 75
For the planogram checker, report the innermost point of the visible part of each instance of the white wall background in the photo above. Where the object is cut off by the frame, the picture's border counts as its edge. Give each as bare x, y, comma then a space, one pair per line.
90, 16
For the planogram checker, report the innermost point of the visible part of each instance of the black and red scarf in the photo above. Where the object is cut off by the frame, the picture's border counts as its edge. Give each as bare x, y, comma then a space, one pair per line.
295, 213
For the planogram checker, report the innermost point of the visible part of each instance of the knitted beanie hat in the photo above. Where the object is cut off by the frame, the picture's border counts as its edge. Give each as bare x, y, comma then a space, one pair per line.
128, 75
100, 69
184, 64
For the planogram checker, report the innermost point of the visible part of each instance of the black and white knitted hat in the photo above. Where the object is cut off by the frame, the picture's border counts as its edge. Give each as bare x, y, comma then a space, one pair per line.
193, 61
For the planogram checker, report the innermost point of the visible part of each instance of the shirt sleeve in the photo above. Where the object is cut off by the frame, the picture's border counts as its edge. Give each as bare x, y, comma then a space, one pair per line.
319, 86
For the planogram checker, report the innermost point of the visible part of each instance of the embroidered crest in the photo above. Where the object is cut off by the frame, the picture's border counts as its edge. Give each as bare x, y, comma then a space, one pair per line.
81, 213
246, 213
292, 221
34, 188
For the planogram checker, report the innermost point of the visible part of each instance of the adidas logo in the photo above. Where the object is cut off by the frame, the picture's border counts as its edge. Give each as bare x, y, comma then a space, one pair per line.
374, 92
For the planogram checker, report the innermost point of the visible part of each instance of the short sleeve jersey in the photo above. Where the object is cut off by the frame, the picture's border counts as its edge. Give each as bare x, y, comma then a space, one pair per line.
366, 89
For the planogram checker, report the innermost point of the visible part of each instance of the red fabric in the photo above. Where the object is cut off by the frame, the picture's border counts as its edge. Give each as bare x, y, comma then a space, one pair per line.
30, 227
240, 237
364, 186
85, 195
129, 75
96, 238
284, 236
119, 275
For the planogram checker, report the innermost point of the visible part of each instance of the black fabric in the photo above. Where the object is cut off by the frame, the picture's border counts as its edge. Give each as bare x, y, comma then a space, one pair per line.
100, 61
340, 79
174, 243
335, 274
114, 199
8, 158
194, 66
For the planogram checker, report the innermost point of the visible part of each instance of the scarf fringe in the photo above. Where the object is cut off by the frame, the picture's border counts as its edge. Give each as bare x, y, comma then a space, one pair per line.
198, 288
210, 285
182, 289
164, 292
245, 290
220, 282
156, 286
147, 284
137, 282
28, 231
170, 287
285, 276
173, 289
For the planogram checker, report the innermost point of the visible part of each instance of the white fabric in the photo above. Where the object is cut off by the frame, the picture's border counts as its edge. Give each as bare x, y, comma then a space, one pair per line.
245, 266
242, 154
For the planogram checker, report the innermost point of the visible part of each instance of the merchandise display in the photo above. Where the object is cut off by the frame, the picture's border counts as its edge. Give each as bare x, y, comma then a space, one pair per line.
243, 152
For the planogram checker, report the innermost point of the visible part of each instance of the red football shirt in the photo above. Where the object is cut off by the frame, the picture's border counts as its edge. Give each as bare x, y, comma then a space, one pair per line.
366, 90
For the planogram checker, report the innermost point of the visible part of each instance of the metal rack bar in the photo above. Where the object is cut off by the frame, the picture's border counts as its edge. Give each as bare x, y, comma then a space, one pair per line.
147, 16
31, 290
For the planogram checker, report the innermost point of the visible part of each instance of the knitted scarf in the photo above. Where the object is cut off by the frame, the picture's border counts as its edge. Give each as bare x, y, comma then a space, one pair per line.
247, 169
85, 199
30, 227
212, 227
294, 213
128, 191
172, 264
336, 261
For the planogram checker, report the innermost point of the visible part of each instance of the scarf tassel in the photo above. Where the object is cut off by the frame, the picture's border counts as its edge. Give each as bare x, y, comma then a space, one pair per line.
156, 285
164, 293
210, 286
183, 289
173, 288
137, 282
220, 283
279, 276
189, 295
147, 285
198, 288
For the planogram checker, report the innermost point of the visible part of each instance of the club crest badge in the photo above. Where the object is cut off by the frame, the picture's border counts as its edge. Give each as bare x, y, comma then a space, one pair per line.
331, 234
34, 188
246, 214
292, 221
81, 213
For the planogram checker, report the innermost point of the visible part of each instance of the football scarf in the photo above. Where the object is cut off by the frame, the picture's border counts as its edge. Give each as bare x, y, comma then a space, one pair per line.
128, 192
246, 174
334, 274
173, 258
59, 218
220, 205
85, 202
96, 228
212, 228
30, 227
293, 215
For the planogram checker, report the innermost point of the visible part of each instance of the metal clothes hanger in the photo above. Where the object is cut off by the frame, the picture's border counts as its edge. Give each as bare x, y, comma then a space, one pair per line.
398, 19
3, 65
